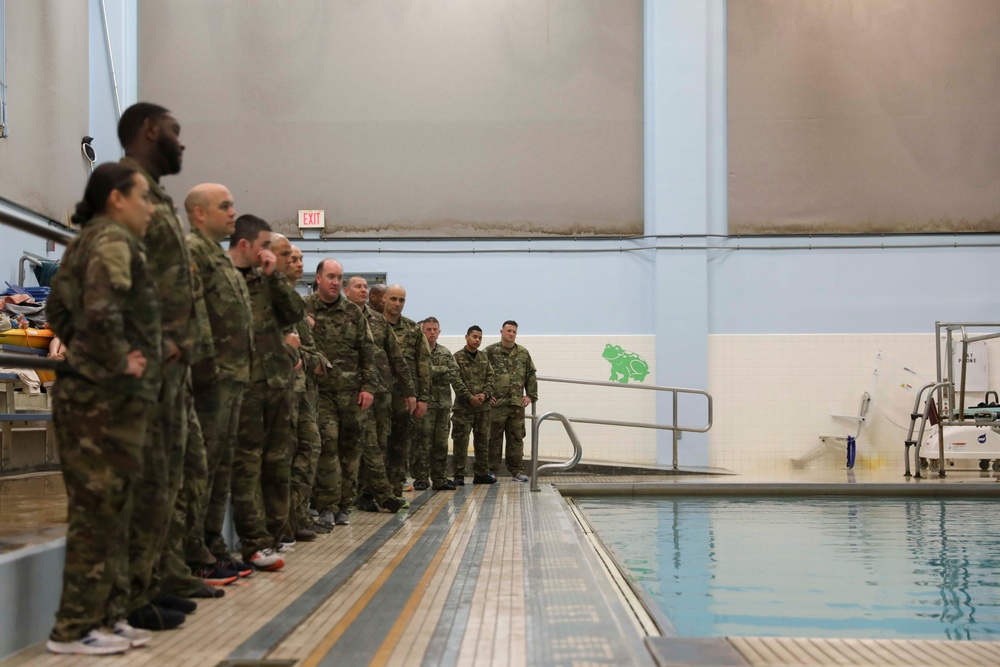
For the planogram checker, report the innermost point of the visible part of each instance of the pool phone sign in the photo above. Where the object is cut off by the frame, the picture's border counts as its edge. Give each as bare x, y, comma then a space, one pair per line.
312, 219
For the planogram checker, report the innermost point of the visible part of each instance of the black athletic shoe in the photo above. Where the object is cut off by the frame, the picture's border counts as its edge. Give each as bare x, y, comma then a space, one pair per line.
446, 485
421, 485
394, 504
176, 603
207, 591
484, 479
305, 535
459, 480
367, 504
152, 617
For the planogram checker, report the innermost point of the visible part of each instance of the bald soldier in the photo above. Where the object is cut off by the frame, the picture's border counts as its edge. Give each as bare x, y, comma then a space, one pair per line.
342, 335
376, 297
417, 353
219, 375
375, 488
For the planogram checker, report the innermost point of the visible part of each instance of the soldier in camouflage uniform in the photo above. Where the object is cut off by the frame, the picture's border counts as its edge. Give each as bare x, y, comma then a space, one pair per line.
417, 354
309, 364
261, 472
376, 298
150, 136
220, 372
373, 483
103, 306
514, 389
343, 336
474, 414
431, 456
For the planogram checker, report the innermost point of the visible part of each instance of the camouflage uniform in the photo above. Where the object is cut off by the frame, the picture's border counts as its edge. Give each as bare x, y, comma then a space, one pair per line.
390, 364
477, 374
177, 577
417, 353
262, 460
342, 335
163, 454
431, 455
515, 378
220, 374
102, 305
306, 423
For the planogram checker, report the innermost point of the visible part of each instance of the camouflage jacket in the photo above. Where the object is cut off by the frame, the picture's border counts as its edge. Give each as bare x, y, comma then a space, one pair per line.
276, 306
388, 357
477, 374
224, 316
417, 353
515, 374
444, 376
309, 354
103, 305
343, 336
170, 265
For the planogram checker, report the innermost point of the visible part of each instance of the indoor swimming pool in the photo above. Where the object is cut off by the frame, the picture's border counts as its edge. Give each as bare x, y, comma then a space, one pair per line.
881, 568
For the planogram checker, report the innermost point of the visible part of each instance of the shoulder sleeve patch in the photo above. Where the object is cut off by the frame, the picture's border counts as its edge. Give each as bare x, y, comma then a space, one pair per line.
116, 258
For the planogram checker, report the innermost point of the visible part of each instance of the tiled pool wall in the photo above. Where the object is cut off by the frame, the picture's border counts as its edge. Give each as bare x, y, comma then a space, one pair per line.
774, 396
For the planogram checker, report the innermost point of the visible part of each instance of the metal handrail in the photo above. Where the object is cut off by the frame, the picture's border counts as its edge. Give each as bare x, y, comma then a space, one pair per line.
536, 424
11, 216
578, 450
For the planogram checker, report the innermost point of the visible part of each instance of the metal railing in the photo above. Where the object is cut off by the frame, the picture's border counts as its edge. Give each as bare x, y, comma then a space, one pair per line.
536, 423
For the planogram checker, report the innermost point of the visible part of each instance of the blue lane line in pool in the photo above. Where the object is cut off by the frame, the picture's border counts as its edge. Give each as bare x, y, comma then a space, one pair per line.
274, 632
447, 638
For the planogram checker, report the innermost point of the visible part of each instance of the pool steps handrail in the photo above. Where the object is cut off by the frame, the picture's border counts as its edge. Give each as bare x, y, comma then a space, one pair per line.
944, 388
536, 422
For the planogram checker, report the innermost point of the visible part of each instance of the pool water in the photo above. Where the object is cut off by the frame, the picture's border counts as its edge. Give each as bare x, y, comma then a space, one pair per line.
811, 567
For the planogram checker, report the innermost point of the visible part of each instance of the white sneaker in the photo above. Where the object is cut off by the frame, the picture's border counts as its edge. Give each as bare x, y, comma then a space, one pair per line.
94, 642
267, 560
137, 636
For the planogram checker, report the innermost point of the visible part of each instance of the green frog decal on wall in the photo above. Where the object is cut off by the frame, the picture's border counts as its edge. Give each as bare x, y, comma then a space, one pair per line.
625, 365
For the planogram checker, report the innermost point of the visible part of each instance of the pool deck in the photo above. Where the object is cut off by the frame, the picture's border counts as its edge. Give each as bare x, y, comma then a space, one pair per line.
488, 575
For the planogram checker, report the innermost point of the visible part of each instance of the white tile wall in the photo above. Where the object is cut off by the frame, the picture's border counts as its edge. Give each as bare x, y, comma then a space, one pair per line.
774, 395
580, 357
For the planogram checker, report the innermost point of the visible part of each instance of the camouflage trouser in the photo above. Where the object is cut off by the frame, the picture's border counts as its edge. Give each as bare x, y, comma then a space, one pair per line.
99, 435
306, 456
262, 466
218, 407
507, 420
431, 456
478, 423
177, 576
341, 429
372, 476
398, 445
157, 490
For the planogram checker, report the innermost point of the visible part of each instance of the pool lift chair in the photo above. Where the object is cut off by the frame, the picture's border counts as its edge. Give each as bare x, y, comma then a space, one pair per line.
828, 441
962, 432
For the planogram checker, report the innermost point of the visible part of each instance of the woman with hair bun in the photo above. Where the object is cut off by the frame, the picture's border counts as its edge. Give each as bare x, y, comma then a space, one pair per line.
104, 308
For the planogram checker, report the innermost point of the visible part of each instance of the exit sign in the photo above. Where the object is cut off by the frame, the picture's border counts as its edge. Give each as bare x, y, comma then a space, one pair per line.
311, 220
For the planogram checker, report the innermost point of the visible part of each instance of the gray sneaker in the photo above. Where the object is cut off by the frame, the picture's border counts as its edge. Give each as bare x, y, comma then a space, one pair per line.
327, 518
342, 520
520, 477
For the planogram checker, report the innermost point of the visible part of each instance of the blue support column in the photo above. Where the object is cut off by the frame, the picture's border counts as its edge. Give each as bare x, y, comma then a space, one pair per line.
683, 127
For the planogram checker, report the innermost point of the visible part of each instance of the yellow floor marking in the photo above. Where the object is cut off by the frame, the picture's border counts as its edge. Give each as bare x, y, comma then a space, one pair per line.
392, 639
330, 640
